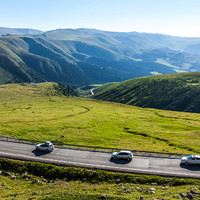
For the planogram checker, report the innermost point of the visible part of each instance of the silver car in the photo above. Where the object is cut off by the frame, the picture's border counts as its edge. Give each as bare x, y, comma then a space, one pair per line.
47, 146
122, 155
192, 159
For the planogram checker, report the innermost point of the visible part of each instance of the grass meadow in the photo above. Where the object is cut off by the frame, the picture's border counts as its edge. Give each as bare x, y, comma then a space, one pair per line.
29, 180
26, 112
19, 189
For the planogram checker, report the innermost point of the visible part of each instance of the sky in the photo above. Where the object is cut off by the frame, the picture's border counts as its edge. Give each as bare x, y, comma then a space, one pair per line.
172, 17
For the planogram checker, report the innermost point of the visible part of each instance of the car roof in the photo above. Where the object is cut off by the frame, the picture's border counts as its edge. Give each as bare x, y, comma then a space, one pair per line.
47, 142
196, 156
123, 151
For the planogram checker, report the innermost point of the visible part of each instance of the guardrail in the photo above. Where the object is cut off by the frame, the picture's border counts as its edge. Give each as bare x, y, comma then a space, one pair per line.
94, 148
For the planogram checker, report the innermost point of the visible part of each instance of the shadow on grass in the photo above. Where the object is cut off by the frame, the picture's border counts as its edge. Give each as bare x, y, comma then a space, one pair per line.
190, 167
120, 161
40, 153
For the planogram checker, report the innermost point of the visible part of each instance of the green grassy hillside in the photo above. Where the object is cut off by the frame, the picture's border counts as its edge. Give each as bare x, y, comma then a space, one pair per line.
27, 59
179, 92
29, 111
62, 62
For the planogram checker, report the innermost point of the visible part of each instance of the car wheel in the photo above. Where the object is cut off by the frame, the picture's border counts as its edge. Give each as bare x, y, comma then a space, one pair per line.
115, 157
186, 163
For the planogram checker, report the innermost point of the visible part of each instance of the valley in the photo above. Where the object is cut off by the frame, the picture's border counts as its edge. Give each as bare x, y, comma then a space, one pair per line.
118, 104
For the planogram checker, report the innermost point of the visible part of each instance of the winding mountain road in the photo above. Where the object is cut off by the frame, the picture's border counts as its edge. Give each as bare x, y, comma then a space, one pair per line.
101, 160
91, 91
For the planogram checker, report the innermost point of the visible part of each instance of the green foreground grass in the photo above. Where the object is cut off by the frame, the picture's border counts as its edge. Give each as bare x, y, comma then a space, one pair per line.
20, 189
29, 180
25, 112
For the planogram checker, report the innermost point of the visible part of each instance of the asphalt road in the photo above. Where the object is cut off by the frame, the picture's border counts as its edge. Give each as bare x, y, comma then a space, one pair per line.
101, 160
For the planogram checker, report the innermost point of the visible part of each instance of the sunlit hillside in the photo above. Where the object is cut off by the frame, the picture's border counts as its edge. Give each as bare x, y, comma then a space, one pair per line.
27, 112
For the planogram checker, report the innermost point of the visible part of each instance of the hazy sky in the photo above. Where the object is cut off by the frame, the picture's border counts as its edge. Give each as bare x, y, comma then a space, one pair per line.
173, 17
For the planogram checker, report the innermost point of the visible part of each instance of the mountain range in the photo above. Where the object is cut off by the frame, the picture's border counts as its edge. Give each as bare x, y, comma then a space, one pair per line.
18, 31
85, 56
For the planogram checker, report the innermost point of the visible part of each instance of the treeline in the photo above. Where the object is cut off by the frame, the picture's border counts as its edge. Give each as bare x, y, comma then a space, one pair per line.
66, 90
56, 89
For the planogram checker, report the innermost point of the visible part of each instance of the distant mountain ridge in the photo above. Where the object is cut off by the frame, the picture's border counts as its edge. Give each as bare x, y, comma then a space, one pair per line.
18, 31
85, 56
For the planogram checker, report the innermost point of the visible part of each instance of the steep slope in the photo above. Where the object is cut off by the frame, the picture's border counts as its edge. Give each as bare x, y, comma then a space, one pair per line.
12, 67
46, 57
180, 92
40, 62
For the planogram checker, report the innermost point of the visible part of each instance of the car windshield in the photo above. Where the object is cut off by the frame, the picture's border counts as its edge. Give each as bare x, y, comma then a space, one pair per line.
189, 157
48, 143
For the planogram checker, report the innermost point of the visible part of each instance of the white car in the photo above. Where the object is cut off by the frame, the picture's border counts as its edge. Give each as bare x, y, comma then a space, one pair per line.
47, 146
122, 155
192, 159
